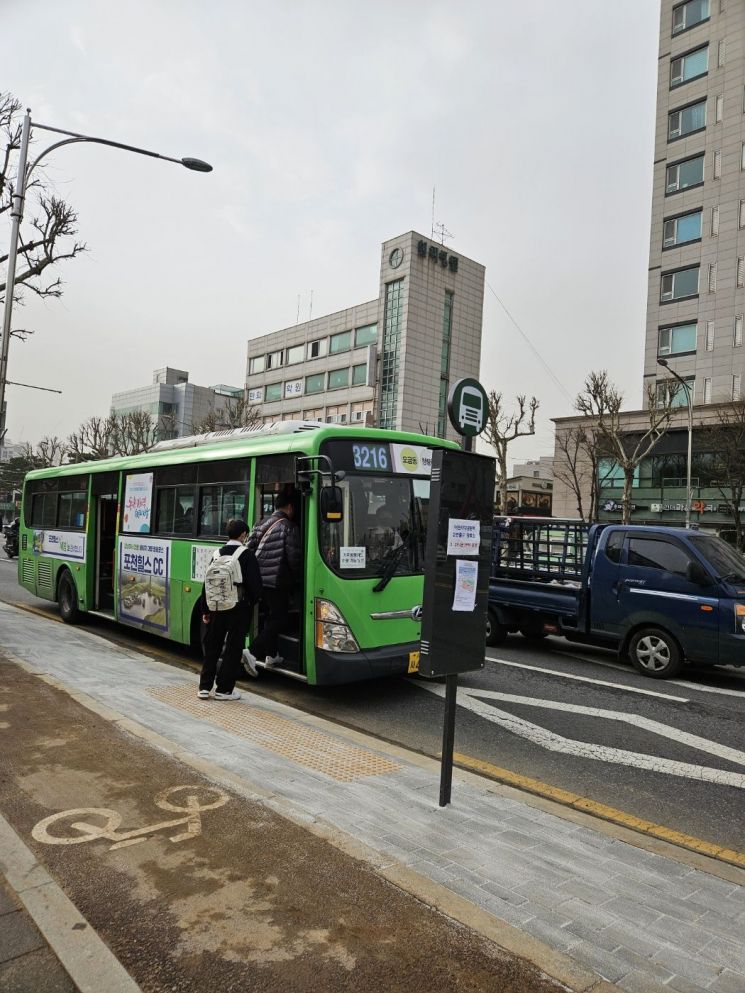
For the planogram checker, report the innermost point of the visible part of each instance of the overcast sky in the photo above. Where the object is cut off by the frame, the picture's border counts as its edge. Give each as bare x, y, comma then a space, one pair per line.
328, 123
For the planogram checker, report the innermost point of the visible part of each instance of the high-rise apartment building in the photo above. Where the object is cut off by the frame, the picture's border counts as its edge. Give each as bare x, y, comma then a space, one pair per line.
388, 361
696, 301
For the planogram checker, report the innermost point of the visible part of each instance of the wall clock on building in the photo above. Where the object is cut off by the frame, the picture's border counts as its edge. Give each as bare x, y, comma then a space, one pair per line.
396, 258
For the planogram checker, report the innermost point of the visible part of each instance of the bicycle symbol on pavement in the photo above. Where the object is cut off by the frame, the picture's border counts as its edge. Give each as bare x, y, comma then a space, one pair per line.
190, 801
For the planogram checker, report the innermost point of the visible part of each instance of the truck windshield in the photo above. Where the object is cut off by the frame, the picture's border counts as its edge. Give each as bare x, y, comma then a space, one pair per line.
726, 563
384, 527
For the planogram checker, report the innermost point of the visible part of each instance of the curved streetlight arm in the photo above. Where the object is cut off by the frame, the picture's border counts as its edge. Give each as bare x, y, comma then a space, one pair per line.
689, 397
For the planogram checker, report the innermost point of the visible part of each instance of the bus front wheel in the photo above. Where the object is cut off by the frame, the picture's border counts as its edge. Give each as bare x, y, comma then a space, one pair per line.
67, 598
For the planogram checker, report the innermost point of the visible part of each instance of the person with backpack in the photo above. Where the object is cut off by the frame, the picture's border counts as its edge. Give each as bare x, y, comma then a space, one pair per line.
276, 542
232, 585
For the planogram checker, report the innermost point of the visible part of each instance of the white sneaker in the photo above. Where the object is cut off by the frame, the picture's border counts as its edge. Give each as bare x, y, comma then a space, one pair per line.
272, 661
249, 663
235, 695
203, 694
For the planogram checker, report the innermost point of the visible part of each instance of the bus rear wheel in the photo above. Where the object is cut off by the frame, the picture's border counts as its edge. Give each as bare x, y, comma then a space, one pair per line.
67, 598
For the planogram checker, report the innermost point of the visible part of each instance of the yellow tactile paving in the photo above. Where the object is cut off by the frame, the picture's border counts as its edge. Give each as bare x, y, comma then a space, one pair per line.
291, 739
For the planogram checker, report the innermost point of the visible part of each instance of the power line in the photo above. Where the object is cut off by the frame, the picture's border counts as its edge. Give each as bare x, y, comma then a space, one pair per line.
532, 347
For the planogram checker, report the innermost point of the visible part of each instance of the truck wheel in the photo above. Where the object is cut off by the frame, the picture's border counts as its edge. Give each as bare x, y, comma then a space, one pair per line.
655, 653
495, 632
67, 598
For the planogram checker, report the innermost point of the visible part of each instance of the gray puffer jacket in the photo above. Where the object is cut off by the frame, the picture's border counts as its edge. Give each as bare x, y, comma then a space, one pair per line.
280, 557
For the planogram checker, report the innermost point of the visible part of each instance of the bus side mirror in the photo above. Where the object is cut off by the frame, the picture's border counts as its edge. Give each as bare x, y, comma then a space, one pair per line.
331, 504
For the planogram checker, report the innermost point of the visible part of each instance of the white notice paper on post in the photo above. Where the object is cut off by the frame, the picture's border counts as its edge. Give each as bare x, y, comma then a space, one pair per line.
464, 537
466, 573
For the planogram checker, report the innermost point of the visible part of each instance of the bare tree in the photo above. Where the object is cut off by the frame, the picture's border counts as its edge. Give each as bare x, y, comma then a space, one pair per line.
47, 452
238, 413
503, 428
133, 433
92, 440
726, 439
602, 401
577, 467
49, 235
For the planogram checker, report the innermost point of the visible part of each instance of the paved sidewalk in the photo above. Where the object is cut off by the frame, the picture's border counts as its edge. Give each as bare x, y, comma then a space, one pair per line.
641, 920
27, 964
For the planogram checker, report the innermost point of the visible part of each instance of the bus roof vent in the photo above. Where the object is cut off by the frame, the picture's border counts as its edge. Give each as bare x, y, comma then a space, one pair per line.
234, 434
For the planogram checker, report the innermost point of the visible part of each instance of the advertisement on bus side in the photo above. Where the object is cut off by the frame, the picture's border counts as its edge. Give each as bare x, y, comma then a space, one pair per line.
60, 544
144, 588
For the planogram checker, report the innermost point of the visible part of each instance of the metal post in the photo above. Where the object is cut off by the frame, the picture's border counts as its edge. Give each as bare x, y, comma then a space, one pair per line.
689, 495
16, 214
448, 739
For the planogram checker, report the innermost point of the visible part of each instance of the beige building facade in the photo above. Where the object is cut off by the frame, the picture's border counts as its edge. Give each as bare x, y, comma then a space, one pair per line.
388, 361
696, 298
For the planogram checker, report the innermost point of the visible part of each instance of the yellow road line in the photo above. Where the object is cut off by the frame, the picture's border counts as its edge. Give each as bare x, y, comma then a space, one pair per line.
601, 810
31, 609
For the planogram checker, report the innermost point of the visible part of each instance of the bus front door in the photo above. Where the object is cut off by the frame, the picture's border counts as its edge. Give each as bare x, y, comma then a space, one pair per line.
273, 472
105, 500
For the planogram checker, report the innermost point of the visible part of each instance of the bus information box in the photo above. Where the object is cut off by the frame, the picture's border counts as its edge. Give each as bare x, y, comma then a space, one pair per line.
457, 561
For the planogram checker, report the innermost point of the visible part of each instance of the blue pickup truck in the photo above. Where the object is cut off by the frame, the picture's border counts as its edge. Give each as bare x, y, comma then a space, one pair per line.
660, 596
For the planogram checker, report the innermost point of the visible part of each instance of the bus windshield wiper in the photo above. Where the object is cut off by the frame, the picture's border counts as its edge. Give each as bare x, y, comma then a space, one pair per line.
389, 569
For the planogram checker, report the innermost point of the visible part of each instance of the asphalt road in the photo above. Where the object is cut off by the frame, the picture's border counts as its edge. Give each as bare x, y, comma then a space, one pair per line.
671, 752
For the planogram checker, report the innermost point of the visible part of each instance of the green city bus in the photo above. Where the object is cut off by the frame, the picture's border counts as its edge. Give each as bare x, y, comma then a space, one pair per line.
130, 537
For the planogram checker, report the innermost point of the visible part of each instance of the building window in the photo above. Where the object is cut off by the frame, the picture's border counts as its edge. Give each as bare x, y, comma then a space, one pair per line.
679, 230
257, 364
707, 389
737, 336
273, 393
338, 378
360, 412
712, 277
689, 66
366, 335
672, 392
317, 349
719, 112
392, 325
275, 360
710, 336
678, 340
679, 285
447, 335
686, 15
714, 221
359, 374
295, 354
315, 383
686, 120
736, 381
313, 415
337, 414
716, 170
683, 175
340, 342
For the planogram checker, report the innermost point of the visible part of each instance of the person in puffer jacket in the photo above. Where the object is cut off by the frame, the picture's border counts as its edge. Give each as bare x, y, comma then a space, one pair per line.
275, 542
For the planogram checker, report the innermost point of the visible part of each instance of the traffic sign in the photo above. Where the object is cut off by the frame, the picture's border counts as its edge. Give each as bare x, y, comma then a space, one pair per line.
468, 407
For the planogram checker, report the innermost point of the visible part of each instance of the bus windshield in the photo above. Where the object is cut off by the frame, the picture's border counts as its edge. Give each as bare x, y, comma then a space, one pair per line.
384, 527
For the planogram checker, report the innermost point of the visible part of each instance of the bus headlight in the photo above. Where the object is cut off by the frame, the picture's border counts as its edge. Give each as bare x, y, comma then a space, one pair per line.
740, 618
333, 634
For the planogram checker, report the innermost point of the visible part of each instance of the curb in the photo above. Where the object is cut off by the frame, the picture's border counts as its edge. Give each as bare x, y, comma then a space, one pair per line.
554, 964
88, 961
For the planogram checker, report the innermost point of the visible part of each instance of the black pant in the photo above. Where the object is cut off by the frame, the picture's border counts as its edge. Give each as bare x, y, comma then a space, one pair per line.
277, 603
225, 634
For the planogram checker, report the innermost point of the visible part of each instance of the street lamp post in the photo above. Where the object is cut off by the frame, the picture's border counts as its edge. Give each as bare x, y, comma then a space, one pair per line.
689, 398
16, 214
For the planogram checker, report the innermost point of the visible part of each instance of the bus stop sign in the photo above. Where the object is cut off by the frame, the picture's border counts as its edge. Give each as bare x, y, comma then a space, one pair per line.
468, 406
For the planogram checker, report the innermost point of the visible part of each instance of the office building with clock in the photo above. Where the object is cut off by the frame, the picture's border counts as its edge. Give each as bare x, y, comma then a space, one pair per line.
387, 362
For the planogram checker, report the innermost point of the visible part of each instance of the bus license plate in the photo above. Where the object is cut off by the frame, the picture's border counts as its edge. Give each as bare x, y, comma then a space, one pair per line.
413, 662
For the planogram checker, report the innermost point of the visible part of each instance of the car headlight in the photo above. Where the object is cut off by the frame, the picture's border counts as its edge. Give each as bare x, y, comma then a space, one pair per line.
333, 634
